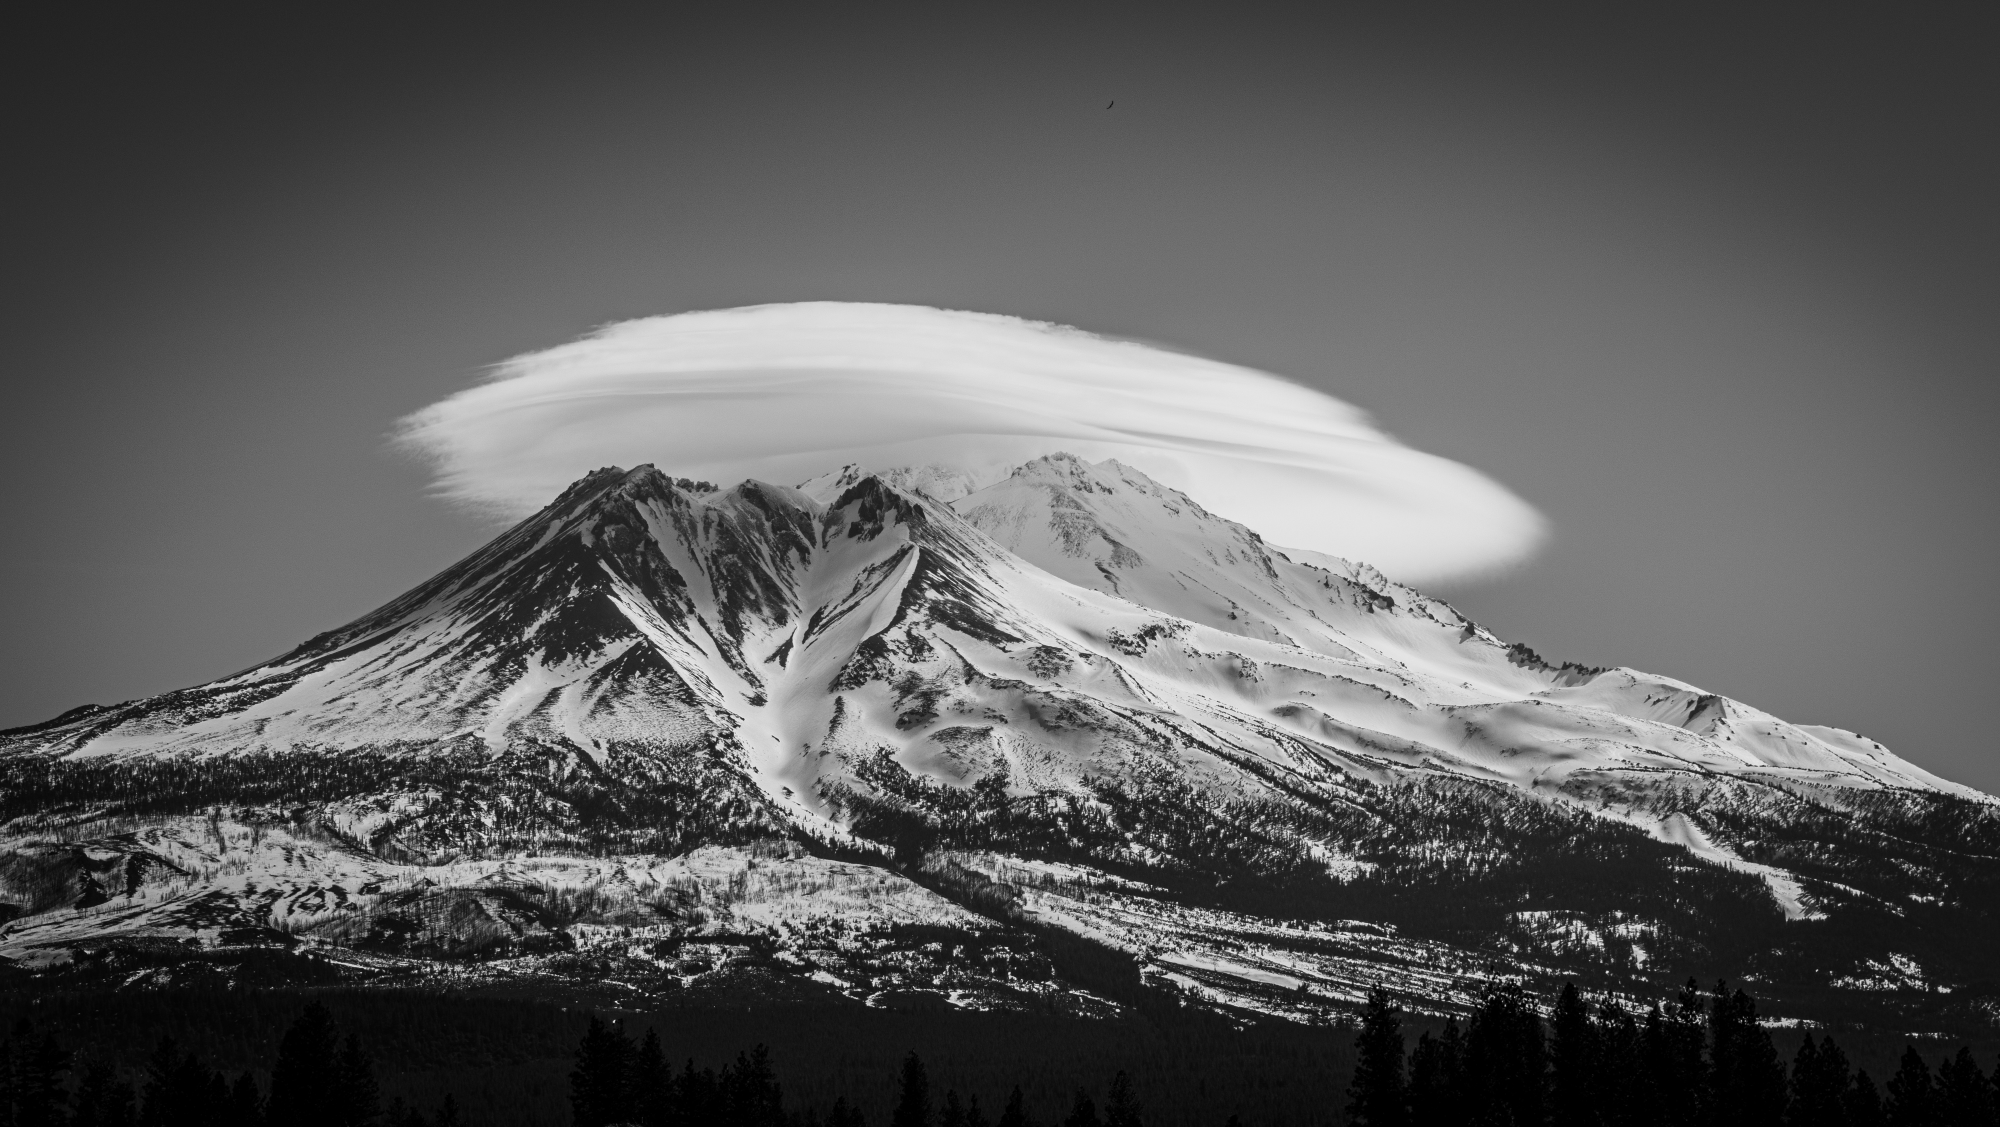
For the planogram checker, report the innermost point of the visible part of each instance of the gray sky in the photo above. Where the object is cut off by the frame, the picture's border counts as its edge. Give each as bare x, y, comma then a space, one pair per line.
1716, 292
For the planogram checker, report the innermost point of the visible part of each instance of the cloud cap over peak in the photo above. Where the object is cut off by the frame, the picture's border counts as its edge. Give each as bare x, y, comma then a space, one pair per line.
784, 393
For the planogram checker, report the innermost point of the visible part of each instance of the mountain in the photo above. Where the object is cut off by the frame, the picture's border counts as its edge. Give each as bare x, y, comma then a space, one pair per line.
1116, 745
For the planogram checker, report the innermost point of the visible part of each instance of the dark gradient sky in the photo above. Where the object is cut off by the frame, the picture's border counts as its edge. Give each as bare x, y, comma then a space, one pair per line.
1716, 290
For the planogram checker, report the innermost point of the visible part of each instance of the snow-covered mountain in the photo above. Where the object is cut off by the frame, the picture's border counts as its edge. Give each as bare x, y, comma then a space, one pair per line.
1069, 701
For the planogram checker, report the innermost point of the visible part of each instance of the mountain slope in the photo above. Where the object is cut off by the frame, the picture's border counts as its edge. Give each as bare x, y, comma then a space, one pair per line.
1070, 687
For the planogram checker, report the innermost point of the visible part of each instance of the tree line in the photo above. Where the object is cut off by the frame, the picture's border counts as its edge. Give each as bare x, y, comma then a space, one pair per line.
318, 1080
617, 1081
1700, 1060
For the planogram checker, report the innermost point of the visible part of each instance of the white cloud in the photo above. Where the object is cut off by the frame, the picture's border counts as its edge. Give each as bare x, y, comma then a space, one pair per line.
786, 392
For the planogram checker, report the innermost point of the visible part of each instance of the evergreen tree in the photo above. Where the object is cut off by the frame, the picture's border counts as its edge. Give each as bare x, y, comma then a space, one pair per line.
401, 1114
1378, 1096
102, 1100
1622, 1089
913, 1105
447, 1115
1964, 1098
1912, 1094
1677, 1077
1082, 1111
844, 1115
751, 1091
973, 1116
357, 1100
1819, 1085
1014, 1114
36, 1088
1122, 1108
652, 1083
1746, 1079
697, 1098
244, 1106
952, 1114
1863, 1103
1573, 1066
305, 1080
599, 1085
1437, 1098
1506, 1061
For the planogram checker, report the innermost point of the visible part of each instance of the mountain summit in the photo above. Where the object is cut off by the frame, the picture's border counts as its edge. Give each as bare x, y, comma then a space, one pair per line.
1070, 702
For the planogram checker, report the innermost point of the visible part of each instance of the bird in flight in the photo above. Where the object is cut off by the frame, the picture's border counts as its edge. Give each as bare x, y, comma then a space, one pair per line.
1111, 103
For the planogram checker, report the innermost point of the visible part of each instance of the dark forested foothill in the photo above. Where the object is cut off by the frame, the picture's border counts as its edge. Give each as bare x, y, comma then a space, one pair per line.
1698, 1060
318, 1080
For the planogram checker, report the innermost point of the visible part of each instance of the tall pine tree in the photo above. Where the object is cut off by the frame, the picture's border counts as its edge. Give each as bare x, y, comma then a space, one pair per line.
1122, 1108
1819, 1085
1963, 1095
600, 1084
1912, 1098
913, 1103
305, 1081
1746, 1079
1437, 1083
1573, 1066
1378, 1095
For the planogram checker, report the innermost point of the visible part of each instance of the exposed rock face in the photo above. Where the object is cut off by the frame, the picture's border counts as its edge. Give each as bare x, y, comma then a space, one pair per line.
1072, 698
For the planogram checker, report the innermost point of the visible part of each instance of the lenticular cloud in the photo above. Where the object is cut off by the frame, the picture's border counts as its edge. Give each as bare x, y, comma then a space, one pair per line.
784, 393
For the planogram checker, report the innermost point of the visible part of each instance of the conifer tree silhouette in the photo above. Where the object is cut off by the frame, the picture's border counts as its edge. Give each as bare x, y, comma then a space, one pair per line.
305, 1080
652, 1083
1573, 1065
1912, 1098
1506, 1060
1621, 1088
1378, 1095
1672, 1044
599, 1085
842, 1115
753, 1096
1746, 1079
357, 1099
913, 1104
1014, 1114
178, 1090
244, 1106
1964, 1098
1819, 1085
1437, 1097
1122, 1109
35, 1076
1082, 1111
952, 1112
102, 1099
1863, 1103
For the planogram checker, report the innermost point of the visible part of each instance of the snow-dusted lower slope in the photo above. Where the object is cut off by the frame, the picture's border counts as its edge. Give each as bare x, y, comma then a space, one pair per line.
1072, 665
